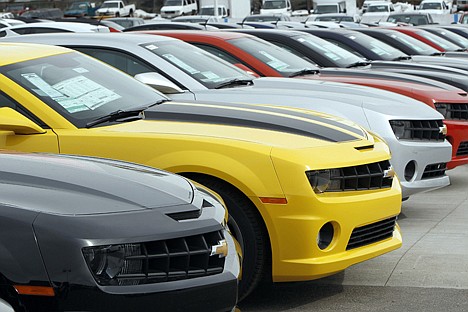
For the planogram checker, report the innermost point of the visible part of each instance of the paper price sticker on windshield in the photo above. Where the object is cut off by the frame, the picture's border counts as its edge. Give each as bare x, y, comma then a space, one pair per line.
42, 85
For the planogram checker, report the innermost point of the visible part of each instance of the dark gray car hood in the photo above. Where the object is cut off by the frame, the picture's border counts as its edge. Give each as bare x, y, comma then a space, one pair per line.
70, 185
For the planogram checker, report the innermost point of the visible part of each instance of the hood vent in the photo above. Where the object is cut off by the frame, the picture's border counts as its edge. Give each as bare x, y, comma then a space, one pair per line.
365, 147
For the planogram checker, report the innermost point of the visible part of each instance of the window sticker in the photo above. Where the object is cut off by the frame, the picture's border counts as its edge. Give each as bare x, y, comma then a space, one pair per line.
151, 47
178, 62
80, 93
43, 86
274, 62
210, 75
81, 70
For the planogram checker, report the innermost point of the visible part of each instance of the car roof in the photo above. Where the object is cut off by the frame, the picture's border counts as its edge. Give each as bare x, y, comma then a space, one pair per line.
107, 39
20, 52
62, 25
225, 35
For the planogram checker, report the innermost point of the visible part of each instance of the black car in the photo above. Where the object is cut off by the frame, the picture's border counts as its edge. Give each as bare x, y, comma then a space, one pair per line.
414, 18
89, 234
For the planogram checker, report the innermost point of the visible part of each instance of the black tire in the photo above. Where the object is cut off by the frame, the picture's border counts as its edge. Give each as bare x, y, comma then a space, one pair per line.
117, 14
131, 13
247, 226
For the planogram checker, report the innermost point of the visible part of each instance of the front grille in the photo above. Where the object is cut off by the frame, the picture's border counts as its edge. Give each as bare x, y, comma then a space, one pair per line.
463, 149
434, 171
453, 111
372, 233
173, 259
356, 178
421, 130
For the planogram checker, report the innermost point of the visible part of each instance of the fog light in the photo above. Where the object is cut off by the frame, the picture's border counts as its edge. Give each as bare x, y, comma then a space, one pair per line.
410, 170
325, 236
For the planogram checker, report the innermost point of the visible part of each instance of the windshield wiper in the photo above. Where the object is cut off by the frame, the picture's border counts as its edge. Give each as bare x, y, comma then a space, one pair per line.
438, 54
402, 58
234, 82
136, 114
303, 72
358, 64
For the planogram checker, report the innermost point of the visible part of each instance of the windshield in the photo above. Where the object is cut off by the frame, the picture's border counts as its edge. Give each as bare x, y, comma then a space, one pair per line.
200, 65
338, 55
78, 87
431, 6
441, 42
385, 51
173, 3
459, 40
210, 11
280, 4
109, 5
378, 8
78, 5
409, 19
419, 46
323, 9
284, 62
334, 18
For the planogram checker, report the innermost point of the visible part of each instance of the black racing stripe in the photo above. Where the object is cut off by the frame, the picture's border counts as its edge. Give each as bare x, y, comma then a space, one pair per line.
324, 120
243, 118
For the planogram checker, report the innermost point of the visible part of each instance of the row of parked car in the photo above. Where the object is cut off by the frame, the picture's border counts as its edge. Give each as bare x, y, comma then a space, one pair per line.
308, 141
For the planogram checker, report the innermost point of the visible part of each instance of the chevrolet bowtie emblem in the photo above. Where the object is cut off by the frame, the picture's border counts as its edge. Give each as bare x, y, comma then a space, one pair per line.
443, 130
221, 249
390, 173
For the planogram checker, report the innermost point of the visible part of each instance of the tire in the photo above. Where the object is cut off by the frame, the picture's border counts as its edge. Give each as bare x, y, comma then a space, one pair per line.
131, 13
247, 226
117, 14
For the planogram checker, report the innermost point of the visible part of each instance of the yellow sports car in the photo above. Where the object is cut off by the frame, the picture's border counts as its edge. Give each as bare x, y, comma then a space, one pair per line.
308, 194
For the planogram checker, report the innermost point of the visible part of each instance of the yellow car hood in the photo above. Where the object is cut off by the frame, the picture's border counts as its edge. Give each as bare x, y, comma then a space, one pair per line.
253, 123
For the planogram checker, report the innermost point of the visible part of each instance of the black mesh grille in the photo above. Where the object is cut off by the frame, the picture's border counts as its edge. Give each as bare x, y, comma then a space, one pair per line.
454, 111
434, 170
358, 178
463, 149
372, 233
173, 259
426, 130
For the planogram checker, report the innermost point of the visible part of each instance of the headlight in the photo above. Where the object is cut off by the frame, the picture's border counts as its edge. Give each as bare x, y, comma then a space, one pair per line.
107, 262
443, 109
324, 180
401, 128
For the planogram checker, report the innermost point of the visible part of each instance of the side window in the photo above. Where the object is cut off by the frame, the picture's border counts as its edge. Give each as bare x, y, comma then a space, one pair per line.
126, 63
121, 5
22, 31
6, 101
43, 30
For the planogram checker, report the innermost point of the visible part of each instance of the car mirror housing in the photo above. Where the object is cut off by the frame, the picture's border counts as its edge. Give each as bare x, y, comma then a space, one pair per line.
159, 83
11, 120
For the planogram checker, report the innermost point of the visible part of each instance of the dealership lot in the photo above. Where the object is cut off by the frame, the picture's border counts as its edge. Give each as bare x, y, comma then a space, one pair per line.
429, 272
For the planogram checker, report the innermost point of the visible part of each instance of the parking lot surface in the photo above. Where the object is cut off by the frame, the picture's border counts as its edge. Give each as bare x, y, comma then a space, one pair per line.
428, 273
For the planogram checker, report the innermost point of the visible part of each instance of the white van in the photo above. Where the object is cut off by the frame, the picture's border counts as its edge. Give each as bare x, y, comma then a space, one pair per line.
276, 7
173, 8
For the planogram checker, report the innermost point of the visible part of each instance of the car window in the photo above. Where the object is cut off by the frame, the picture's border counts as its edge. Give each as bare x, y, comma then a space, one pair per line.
125, 62
345, 47
78, 87
280, 60
207, 69
45, 30
415, 44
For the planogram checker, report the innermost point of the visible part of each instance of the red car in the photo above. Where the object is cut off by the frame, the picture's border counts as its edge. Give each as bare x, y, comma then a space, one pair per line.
237, 48
431, 39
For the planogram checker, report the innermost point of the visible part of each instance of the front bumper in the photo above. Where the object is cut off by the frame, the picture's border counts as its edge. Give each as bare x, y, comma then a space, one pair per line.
214, 293
406, 154
457, 135
294, 228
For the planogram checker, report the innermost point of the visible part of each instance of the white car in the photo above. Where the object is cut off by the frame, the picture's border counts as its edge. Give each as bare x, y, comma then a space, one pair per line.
50, 27
184, 72
7, 22
377, 11
439, 10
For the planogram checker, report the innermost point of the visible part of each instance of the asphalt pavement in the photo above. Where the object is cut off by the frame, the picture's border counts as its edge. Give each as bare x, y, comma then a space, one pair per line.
428, 273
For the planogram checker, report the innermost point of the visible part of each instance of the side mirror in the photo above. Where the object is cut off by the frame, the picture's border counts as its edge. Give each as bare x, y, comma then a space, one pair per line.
11, 120
159, 83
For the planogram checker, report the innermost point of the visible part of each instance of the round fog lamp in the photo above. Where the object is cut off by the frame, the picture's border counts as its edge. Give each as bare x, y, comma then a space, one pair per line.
325, 235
